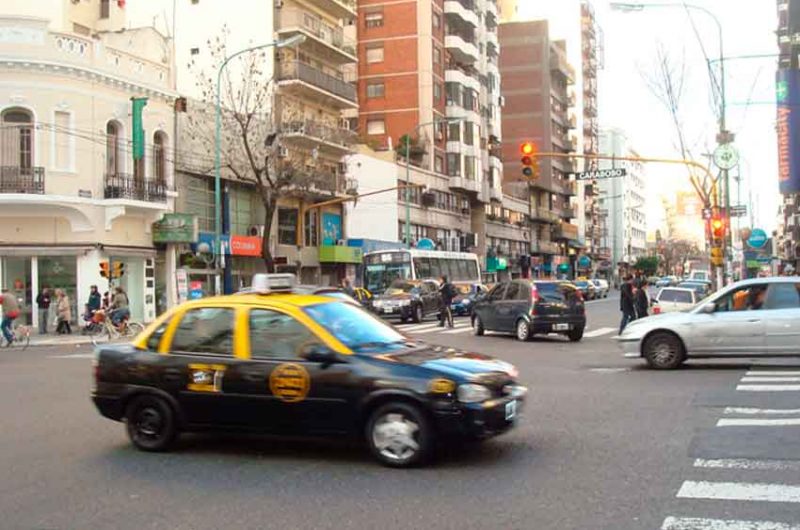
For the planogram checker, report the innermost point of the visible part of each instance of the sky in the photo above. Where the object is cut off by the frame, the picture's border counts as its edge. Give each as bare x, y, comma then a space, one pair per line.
626, 102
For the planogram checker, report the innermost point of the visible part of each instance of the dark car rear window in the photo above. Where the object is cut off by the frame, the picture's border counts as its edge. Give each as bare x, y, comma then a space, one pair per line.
550, 291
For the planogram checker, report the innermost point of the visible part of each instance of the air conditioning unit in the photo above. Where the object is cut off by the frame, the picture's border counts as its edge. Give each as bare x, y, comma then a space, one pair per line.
428, 199
283, 152
256, 230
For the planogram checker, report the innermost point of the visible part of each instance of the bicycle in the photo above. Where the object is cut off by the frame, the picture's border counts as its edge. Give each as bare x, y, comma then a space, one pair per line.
22, 336
104, 327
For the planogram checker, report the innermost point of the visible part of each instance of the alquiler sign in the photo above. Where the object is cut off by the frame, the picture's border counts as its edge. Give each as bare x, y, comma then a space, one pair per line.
788, 109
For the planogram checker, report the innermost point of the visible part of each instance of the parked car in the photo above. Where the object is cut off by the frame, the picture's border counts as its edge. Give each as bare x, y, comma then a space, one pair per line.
759, 317
652, 280
409, 300
601, 287
587, 289
527, 308
702, 288
672, 299
699, 275
467, 296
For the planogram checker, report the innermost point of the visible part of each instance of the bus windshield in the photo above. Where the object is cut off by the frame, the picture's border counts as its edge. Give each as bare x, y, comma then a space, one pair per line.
378, 276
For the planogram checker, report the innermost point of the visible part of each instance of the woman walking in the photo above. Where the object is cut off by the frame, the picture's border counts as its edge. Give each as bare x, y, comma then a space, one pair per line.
63, 313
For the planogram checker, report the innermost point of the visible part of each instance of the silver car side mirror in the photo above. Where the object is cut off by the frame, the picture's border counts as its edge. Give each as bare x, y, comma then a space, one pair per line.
709, 309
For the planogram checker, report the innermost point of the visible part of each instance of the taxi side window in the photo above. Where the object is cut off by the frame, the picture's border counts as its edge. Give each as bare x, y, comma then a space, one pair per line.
275, 335
155, 338
206, 330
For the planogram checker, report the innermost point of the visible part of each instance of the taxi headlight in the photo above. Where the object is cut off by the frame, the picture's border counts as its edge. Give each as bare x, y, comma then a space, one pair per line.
472, 393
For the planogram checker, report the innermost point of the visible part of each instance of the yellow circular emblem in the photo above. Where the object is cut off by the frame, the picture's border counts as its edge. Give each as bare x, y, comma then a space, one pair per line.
442, 386
289, 382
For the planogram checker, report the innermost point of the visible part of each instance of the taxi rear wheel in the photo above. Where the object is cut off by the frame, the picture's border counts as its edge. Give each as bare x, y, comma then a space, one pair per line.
399, 435
150, 422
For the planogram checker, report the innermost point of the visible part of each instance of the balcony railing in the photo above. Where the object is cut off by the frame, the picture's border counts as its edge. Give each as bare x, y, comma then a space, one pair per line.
120, 186
334, 135
544, 247
14, 179
313, 24
296, 70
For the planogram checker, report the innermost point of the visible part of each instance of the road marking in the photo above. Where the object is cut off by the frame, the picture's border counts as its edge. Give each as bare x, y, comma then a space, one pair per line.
699, 523
599, 332
435, 328
757, 422
744, 463
609, 370
764, 372
463, 329
417, 327
770, 379
745, 410
739, 491
73, 356
768, 388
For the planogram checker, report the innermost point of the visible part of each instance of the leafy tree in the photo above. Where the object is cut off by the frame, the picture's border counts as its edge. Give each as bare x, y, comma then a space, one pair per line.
648, 265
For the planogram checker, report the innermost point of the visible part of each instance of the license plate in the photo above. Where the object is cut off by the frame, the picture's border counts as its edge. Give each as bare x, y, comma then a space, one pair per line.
511, 410
560, 327
388, 310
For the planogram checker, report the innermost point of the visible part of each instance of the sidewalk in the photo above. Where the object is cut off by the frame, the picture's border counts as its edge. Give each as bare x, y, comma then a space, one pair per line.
60, 340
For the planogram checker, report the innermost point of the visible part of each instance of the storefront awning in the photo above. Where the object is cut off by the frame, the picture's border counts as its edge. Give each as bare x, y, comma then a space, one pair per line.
26, 251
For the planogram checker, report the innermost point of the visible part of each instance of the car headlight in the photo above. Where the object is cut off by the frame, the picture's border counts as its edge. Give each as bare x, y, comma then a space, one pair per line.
466, 301
405, 302
472, 393
377, 303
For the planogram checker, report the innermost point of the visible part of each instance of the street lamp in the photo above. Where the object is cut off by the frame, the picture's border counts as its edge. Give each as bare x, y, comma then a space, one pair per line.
295, 39
722, 137
408, 170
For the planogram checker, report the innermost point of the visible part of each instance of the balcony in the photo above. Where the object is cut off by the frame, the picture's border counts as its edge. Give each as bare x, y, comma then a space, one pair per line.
454, 74
573, 122
545, 247
464, 184
559, 64
491, 38
544, 215
15, 179
566, 231
121, 186
322, 38
461, 50
462, 9
566, 212
310, 134
346, 9
312, 83
491, 8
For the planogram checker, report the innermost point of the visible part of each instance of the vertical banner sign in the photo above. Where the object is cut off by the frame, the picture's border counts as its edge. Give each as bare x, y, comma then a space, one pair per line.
138, 127
788, 101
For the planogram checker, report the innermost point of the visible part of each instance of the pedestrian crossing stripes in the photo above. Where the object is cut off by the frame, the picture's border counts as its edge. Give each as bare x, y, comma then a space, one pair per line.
699, 523
598, 332
757, 422
770, 379
465, 326
739, 491
777, 372
743, 411
768, 388
744, 463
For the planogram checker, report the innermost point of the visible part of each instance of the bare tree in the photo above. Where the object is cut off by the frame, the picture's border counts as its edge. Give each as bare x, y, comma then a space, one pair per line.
250, 133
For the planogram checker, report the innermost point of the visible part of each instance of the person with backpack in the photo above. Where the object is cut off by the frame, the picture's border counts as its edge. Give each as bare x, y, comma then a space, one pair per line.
10, 313
448, 293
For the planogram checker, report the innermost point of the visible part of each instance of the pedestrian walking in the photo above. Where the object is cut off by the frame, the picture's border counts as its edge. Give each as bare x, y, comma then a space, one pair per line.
347, 287
642, 302
43, 302
63, 313
448, 293
10, 312
626, 302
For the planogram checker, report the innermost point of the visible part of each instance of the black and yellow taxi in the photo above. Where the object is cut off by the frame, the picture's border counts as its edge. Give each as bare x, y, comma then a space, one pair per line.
287, 364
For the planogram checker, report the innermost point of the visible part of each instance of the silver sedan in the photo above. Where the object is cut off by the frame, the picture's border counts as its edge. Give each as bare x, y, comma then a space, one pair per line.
751, 318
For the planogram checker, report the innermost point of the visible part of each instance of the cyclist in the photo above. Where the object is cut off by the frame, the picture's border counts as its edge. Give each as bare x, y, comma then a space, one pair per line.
119, 307
10, 313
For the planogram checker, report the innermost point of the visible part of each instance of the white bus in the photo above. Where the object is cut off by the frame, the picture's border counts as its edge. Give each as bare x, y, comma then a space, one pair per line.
381, 267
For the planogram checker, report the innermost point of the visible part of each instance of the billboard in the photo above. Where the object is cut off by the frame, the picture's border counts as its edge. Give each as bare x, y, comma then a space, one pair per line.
788, 101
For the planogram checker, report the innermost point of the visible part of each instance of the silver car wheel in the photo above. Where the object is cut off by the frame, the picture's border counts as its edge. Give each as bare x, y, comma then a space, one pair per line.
395, 436
523, 330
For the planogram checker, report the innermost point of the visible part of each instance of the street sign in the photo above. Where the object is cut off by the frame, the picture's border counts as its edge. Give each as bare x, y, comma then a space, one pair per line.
707, 213
601, 174
726, 156
740, 210
758, 238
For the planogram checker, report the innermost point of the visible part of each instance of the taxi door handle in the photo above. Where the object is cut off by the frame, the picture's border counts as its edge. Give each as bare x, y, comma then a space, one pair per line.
173, 374
253, 376
754, 320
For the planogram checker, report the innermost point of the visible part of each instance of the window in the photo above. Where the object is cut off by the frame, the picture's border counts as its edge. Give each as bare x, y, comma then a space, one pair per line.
200, 201
469, 167
208, 330
160, 157
438, 164
376, 127
453, 164
743, 299
311, 228
784, 296
105, 8
194, 51
241, 208
274, 335
497, 292
155, 338
287, 226
469, 133
375, 54
422, 267
373, 19
454, 132
17, 139
437, 20
437, 92
62, 140
376, 90
437, 55
355, 328
673, 295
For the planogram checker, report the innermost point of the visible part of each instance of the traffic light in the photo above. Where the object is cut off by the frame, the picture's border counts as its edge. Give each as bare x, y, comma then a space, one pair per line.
717, 228
528, 150
119, 269
104, 269
115, 270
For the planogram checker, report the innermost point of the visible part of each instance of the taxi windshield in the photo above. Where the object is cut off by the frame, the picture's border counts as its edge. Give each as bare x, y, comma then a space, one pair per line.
355, 328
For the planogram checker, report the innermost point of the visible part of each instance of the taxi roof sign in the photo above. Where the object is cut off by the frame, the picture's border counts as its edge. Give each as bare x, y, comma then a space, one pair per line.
269, 283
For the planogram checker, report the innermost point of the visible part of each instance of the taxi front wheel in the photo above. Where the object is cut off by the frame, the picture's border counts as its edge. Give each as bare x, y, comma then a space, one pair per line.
150, 422
399, 435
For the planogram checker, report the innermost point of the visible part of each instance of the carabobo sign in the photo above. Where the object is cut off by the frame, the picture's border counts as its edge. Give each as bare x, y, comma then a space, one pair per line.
788, 99
601, 174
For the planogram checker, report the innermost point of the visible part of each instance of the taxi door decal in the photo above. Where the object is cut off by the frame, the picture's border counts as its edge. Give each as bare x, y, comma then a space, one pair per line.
289, 382
206, 377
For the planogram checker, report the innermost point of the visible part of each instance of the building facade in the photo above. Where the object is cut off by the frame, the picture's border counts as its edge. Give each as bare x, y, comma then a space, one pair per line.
537, 81
429, 87
624, 200
86, 171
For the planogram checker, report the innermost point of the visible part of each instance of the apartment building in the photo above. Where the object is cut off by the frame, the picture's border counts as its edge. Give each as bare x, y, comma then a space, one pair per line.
85, 171
429, 87
537, 89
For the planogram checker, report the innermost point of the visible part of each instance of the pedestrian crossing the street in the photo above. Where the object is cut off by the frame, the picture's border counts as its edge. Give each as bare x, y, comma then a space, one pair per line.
761, 483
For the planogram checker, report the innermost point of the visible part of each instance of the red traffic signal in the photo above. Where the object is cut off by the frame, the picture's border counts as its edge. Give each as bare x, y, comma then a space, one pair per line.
717, 227
528, 150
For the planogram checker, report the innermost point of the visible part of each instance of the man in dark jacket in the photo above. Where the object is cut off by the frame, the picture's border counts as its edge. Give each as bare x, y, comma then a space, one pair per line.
627, 303
642, 301
448, 292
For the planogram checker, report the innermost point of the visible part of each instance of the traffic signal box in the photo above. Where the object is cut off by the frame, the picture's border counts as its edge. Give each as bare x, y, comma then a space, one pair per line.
114, 270
530, 165
718, 239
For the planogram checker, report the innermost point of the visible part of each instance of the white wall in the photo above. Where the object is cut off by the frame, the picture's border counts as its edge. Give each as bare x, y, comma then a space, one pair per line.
373, 217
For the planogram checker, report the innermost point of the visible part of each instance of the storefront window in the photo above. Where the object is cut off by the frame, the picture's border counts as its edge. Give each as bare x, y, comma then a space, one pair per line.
241, 209
60, 272
311, 228
200, 201
287, 226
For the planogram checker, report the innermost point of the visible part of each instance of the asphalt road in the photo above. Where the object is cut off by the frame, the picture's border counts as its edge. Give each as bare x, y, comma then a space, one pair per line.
603, 444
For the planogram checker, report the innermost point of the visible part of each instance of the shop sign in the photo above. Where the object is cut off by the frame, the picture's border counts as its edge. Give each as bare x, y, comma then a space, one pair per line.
788, 125
195, 290
175, 228
182, 281
758, 238
584, 262
246, 246
331, 228
340, 254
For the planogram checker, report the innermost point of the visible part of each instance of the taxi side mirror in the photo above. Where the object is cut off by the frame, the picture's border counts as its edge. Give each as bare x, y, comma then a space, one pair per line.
319, 353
